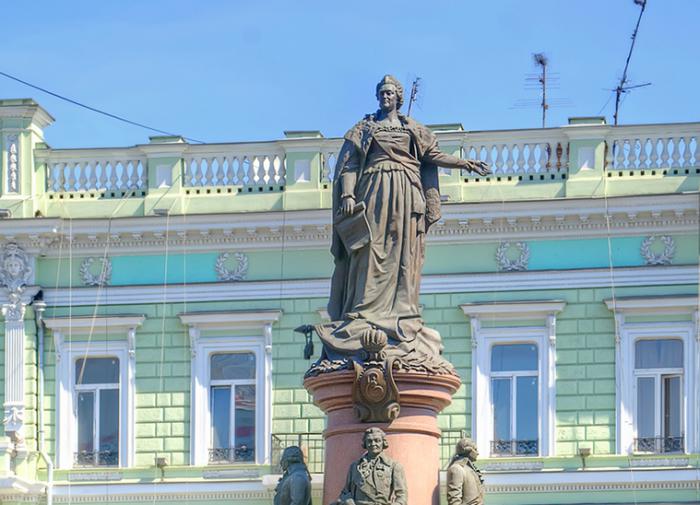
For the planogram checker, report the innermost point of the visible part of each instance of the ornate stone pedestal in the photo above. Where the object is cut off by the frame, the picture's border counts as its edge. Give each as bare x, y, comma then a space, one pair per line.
413, 437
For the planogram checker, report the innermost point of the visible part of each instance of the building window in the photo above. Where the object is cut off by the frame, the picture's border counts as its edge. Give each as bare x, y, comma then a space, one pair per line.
513, 372
658, 374
514, 399
232, 381
96, 390
231, 386
657, 362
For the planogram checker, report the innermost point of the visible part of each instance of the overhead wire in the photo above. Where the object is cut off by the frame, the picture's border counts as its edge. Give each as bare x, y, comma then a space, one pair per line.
95, 109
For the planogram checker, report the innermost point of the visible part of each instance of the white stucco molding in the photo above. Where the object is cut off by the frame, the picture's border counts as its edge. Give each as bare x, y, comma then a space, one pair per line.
626, 333
542, 333
258, 339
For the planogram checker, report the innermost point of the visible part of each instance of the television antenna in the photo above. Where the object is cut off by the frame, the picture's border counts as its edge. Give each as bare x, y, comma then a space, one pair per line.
623, 86
542, 81
414, 94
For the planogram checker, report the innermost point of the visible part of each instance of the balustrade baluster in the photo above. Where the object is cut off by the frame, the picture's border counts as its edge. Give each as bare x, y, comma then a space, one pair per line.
620, 145
675, 154
521, 168
226, 171
248, 171
236, 177
632, 154
654, 154
265, 170
531, 161
509, 160
123, 176
543, 158
499, 158
71, 179
696, 151
91, 183
664, 152
687, 154
81, 175
643, 157
201, 168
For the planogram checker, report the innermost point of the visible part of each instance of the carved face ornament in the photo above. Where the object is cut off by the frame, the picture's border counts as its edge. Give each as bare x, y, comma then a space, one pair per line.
14, 267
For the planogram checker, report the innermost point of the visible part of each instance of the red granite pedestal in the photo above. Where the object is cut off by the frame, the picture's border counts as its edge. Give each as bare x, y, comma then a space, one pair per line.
413, 437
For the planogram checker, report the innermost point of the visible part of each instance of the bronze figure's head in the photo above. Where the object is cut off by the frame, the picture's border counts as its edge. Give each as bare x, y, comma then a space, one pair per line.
290, 456
389, 92
467, 448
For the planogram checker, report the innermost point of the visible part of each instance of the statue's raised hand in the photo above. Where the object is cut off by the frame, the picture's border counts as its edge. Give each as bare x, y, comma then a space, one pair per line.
479, 167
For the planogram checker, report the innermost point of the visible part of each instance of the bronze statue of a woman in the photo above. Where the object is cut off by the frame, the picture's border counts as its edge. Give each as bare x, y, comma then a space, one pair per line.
386, 169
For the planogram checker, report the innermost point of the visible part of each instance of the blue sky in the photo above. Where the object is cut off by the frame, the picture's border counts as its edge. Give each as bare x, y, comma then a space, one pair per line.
244, 70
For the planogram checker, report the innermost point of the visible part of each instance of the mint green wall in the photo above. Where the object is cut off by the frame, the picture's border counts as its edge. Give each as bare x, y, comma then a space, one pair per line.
585, 370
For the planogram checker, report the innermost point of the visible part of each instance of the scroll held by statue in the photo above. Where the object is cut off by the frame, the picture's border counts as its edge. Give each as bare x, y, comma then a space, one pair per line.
354, 229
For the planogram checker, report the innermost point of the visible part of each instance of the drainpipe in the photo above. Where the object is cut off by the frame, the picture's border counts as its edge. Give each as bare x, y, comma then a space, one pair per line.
39, 307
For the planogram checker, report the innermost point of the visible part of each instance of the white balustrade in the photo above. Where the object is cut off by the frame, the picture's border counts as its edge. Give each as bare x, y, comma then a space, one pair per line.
221, 165
524, 152
653, 147
509, 153
85, 174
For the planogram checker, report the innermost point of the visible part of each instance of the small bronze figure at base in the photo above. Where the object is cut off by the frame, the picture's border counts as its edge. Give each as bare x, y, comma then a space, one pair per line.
374, 479
294, 487
465, 484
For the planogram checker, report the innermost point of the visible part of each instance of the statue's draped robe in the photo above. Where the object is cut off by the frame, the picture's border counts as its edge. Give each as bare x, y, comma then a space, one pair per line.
393, 170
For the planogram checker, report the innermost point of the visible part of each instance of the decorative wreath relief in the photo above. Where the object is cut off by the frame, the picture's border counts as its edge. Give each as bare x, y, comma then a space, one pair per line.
237, 274
100, 279
658, 258
507, 264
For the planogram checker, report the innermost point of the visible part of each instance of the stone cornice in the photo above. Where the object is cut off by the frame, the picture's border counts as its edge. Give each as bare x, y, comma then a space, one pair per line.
308, 229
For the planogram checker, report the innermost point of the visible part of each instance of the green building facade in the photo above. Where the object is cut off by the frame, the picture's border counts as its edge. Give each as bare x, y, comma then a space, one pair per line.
150, 296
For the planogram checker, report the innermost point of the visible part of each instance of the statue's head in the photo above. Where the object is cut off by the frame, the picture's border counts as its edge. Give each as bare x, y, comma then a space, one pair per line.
467, 448
374, 441
291, 455
389, 92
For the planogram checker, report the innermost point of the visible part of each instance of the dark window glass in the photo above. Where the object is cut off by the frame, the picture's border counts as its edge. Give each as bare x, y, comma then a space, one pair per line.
109, 425
221, 416
245, 423
86, 418
526, 409
513, 357
646, 411
233, 366
672, 406
500, 389
97, 371
661, 353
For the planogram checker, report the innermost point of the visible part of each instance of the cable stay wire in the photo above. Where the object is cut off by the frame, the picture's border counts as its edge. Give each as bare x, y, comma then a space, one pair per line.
98, 111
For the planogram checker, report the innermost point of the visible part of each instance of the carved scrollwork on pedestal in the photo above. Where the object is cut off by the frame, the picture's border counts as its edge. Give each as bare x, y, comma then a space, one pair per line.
223, 273
374, 391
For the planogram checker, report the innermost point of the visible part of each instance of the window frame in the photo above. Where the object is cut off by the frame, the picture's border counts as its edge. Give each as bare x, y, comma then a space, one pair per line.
627, 405
543, 334
513, 375
627, 333
68, 352
95, 389
243, 331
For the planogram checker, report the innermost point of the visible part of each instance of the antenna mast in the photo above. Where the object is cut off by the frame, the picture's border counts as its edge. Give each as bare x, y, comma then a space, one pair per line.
541, 61
621, 87
414, 94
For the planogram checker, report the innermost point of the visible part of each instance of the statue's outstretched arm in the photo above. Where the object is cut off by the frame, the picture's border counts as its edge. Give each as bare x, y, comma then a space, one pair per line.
434, 155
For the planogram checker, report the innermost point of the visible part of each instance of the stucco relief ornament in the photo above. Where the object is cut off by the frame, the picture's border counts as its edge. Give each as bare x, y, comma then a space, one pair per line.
15, 272
505, 263
223, 273
658, 258
12, 164
90, 278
